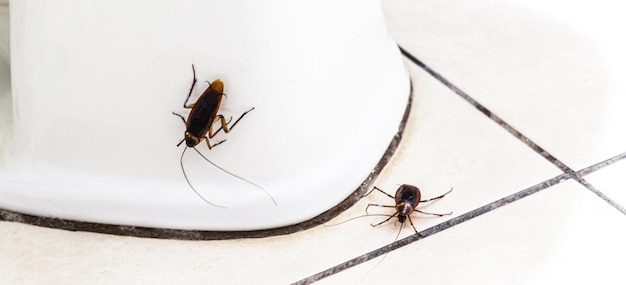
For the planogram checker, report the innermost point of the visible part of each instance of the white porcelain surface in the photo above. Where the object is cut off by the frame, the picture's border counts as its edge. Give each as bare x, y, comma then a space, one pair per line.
5, 79
563, 234
93, 137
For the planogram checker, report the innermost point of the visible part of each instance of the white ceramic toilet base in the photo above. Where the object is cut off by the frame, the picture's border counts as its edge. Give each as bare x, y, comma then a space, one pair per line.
87, 131
145, 232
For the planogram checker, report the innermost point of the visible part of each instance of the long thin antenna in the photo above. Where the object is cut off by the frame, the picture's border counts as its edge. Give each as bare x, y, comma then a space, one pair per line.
234, 175
192, 188
357, 217
384, 256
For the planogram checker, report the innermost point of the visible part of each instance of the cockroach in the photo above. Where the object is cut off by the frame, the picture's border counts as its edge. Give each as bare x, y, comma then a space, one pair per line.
407, 198
199, 126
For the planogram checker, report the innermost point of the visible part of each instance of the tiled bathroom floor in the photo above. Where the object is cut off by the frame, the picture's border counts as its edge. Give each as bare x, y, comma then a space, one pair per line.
517, 105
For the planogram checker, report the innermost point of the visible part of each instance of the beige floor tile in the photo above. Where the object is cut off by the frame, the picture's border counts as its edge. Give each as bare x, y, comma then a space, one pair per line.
450, 144
564, 234
554, 74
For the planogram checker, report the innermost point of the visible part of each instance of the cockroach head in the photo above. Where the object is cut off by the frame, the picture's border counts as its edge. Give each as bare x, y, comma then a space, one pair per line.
191, 140
401, 217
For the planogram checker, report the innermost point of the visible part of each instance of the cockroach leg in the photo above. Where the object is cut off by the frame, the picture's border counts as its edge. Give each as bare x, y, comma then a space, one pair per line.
438, 197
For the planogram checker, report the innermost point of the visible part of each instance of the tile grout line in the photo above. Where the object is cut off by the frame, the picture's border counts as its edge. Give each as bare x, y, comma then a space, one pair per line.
568, 174
600, 194
593, 168
475, 213
590, 169
489, 114
435, 229
566, 169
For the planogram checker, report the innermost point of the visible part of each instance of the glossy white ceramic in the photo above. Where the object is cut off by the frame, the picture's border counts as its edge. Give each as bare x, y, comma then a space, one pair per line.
91, 135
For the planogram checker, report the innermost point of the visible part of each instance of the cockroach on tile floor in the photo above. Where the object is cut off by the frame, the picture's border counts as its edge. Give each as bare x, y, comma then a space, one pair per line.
199, 124
406, 200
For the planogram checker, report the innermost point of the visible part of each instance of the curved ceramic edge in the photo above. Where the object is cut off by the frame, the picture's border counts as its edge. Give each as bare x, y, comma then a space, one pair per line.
328, 97
160, 233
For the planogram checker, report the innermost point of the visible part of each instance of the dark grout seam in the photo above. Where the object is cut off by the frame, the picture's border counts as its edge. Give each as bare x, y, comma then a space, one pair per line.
435, 229
600, 194
593, 168
162, 233
568, 173
566, 169
590, 169
473, 214
490, 114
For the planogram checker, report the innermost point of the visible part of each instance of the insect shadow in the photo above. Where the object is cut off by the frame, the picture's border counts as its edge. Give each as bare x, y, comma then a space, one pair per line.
199, 127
